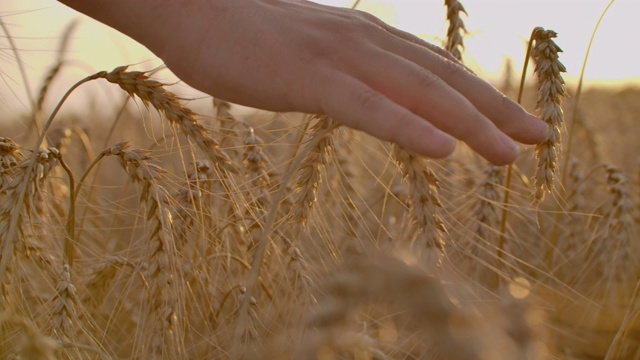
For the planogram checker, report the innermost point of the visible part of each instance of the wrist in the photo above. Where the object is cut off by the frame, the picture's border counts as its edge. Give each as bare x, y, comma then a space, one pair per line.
154, 23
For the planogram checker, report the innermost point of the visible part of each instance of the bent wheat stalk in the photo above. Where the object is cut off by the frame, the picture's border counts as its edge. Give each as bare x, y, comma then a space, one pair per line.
152, 92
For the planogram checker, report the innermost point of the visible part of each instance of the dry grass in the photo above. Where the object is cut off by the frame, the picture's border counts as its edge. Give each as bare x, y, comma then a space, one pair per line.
273, 236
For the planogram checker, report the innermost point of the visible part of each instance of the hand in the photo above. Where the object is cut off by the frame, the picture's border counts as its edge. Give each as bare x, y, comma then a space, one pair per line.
288, 55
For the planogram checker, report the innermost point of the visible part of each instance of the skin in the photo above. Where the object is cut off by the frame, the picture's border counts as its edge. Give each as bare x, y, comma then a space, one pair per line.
295, 55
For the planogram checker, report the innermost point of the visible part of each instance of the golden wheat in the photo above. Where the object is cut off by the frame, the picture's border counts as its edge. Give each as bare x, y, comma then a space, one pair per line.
261, 238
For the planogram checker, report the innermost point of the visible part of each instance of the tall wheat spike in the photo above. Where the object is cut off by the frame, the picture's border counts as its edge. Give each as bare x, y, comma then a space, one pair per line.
551, 90
456, 30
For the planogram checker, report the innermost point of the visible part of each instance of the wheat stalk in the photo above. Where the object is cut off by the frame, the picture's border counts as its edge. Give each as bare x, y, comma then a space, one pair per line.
310, 171
483, 246
614, 243
194, 199
258, 182
550, 93
228, 135
27, 182
165, 288
10, 157
456, 30
568, 251
152, 92
55, 69
64, 315
427, 228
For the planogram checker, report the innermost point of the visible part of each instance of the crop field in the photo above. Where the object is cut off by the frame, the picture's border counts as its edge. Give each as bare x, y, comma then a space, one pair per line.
166, 228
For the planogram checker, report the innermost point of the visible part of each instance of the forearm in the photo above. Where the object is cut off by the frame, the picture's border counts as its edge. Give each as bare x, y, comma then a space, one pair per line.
149, 22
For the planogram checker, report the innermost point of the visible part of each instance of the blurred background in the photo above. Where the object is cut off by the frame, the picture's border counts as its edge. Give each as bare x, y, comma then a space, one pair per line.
498, 31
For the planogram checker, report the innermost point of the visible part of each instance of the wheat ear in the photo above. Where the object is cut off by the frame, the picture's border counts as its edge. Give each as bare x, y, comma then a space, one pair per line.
64, 315
614, 242
551, 90
152, 92
10, 157
427, 228
55, 70
22, 189
456, 30
165, 292
194, 199
310, 172
484, 244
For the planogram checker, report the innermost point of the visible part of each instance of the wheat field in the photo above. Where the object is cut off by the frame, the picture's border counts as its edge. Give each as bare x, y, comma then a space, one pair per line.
162, 230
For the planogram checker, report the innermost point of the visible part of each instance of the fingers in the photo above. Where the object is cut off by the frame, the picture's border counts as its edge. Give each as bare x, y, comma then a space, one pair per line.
428, 96
356, 105
506, 114
410, 38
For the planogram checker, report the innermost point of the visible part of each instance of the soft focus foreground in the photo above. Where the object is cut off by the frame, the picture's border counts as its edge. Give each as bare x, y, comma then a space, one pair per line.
158, 230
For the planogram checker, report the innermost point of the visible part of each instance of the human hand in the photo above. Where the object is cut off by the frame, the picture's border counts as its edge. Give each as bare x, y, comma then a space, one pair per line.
294, 55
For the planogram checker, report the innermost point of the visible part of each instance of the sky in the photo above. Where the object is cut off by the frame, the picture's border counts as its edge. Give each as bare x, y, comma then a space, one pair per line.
498, 30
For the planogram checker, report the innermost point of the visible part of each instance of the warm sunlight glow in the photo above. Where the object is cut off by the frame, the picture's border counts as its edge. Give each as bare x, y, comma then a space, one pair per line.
498, 30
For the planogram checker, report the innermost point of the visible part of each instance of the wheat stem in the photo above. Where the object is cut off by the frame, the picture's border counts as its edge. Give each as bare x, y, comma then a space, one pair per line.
507, 183
69, 240
576, 100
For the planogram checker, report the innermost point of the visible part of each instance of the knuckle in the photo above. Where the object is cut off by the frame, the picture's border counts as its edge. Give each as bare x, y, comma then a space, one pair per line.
508, 106
452, 67
369, 18
426, 79
367, 99
364, 22
400, 134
